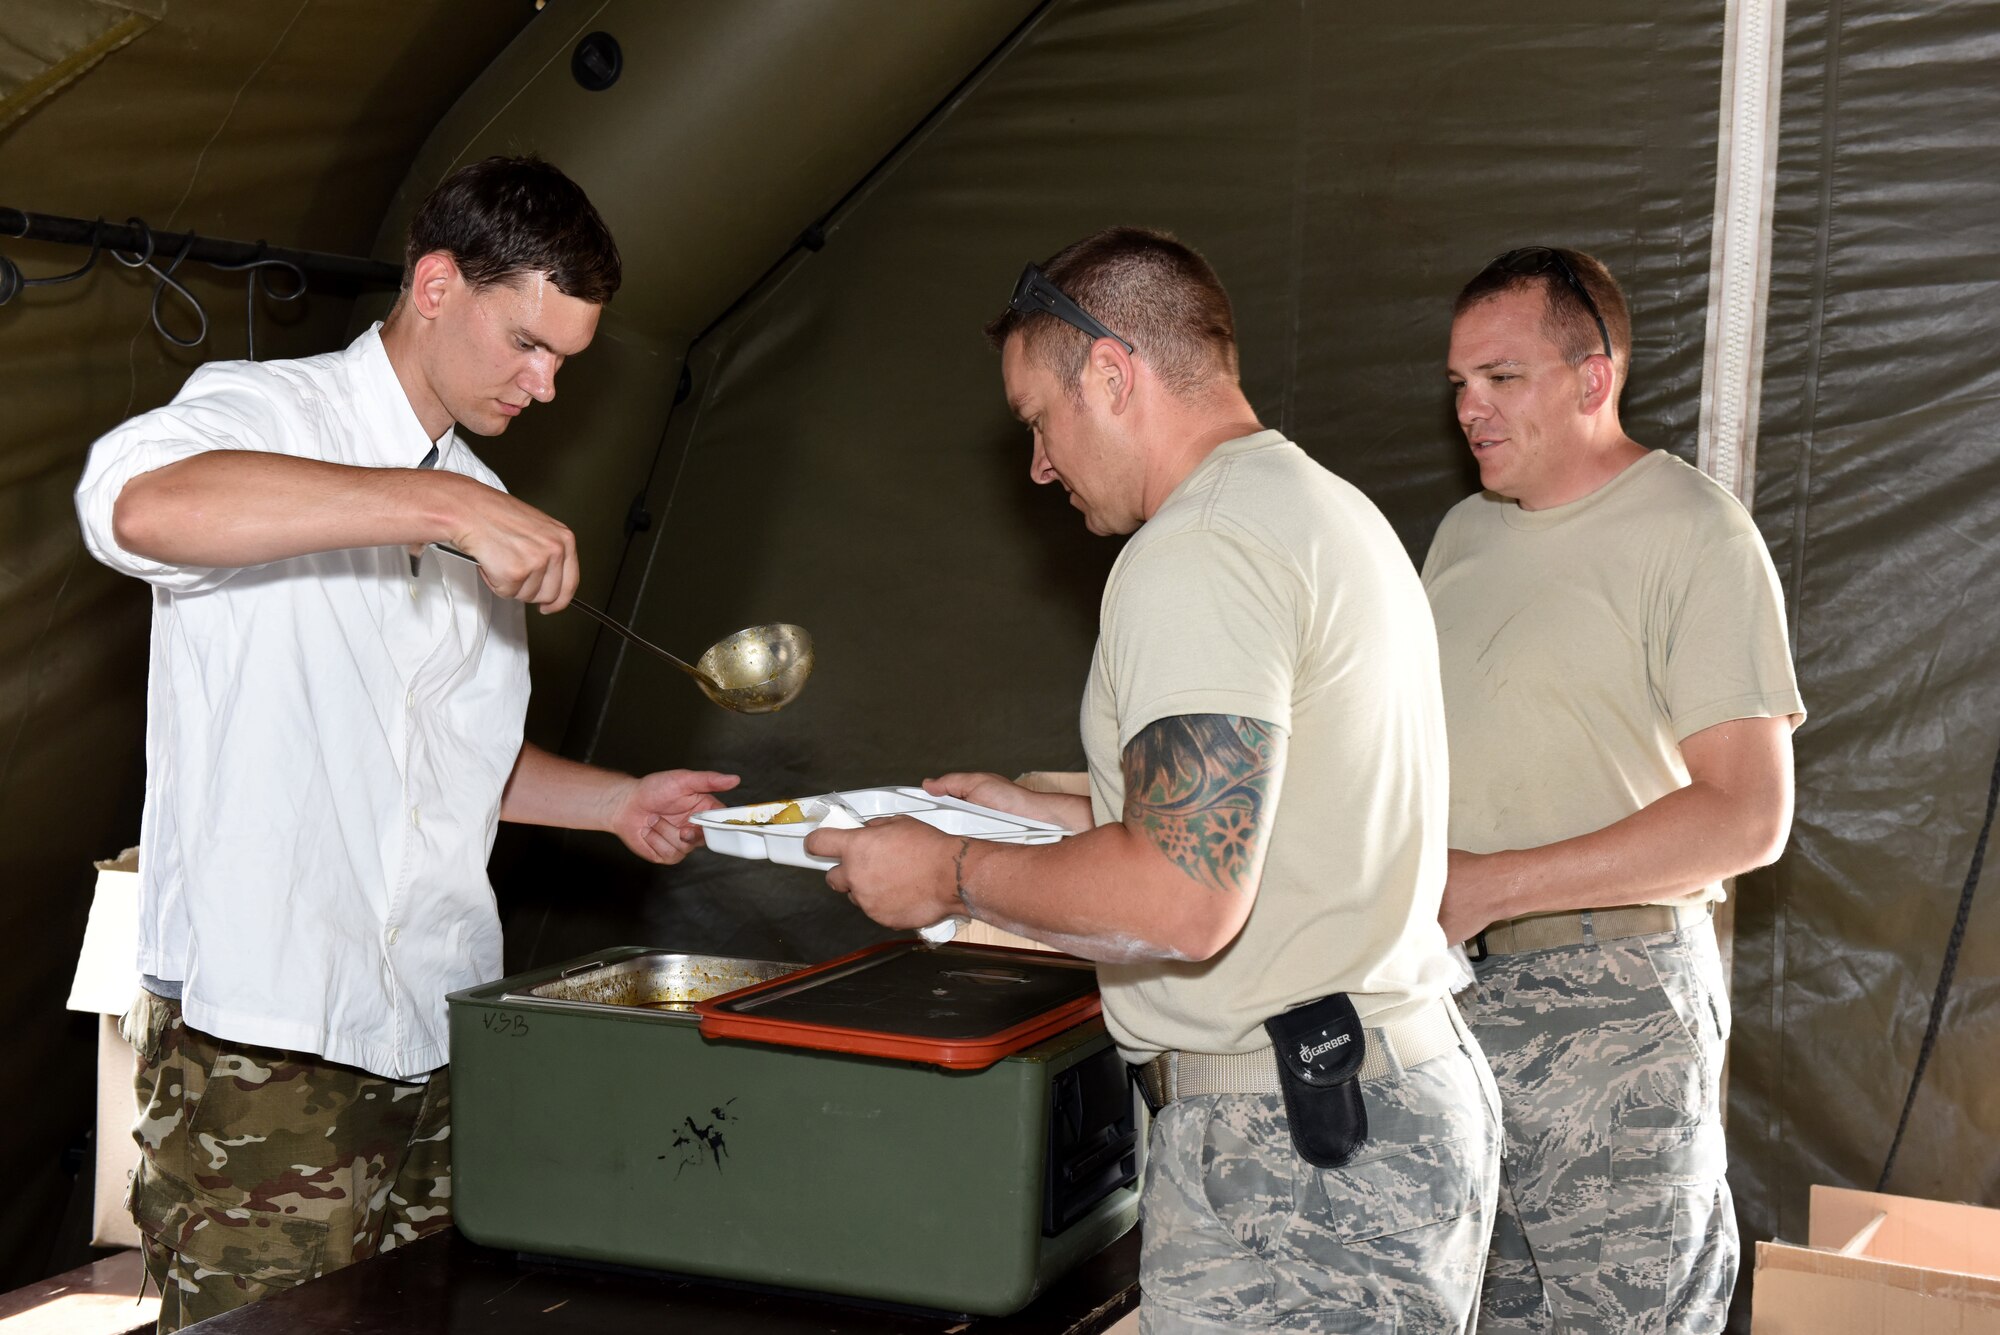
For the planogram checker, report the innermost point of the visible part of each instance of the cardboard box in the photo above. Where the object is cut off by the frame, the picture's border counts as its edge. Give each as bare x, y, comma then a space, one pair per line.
106, 983
1882, 1265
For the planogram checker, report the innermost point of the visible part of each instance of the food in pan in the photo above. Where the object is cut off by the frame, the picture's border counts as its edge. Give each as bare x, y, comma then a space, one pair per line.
789, 814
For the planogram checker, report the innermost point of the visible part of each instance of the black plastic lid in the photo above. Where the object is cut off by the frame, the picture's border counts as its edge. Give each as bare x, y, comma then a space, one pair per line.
952, 1005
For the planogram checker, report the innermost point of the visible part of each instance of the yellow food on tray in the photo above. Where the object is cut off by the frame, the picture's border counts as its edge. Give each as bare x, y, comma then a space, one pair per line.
789, 814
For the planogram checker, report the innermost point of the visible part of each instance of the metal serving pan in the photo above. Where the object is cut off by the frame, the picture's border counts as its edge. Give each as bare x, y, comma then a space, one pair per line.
666, 983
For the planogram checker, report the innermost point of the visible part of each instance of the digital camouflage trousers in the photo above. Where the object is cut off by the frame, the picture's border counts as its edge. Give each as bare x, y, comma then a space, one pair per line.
1615, 1214
1240, 1234
260, 1169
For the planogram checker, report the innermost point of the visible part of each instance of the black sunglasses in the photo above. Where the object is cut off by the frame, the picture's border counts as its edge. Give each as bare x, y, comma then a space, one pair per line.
1541, 259
1035, 294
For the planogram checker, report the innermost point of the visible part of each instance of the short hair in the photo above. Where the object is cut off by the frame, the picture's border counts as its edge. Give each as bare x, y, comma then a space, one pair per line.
1160, 295
1566, 321
503, 217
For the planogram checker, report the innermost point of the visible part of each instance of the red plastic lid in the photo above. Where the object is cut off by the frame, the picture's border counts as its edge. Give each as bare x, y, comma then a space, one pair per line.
959, 1006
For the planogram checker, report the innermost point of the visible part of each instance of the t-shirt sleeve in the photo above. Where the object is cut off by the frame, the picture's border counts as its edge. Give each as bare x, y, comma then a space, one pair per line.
1200, 624
218, 409
1439, 555
1727, 653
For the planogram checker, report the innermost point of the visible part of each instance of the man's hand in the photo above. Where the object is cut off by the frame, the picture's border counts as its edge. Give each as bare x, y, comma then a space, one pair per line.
900, 872
522, 553
990, 790
1733, 814
1475, 895
651, 813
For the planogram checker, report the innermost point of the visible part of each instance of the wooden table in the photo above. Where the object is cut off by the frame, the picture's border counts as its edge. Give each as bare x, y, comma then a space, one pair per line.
445, 1284
101, 1298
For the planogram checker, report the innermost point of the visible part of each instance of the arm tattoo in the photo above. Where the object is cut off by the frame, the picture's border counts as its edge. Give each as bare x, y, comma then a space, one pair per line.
1199, 786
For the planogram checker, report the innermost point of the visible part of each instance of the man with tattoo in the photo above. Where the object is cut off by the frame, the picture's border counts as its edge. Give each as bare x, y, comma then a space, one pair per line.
1621, 702
1265, 827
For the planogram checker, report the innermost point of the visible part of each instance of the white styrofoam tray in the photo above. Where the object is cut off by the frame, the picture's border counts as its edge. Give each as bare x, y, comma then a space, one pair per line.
787, 843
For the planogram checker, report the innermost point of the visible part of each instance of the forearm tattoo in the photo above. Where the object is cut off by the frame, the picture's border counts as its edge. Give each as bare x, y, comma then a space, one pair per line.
1199, 786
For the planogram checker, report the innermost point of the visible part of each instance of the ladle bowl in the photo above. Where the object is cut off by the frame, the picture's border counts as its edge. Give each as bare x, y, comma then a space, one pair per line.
757, 670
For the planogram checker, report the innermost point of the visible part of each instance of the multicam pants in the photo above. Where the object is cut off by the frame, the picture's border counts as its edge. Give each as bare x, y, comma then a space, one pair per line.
1614, 1211
259, 1169
1241, 1234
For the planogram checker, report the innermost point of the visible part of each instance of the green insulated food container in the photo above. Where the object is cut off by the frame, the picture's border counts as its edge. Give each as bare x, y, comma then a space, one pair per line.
592, 1120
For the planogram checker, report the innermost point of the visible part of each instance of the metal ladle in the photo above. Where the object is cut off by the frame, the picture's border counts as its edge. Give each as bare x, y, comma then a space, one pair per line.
757, 670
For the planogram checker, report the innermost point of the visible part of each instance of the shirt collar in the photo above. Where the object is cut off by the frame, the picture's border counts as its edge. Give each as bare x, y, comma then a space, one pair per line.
1228, 449
391, 434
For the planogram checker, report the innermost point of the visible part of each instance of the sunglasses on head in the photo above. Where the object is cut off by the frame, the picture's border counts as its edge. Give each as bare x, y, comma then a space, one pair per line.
1541, 259
1035, 294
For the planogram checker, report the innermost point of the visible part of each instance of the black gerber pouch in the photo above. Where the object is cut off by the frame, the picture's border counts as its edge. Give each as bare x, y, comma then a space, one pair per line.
1319, 1047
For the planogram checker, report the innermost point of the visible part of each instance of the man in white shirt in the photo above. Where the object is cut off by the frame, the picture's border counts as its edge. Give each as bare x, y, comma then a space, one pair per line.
1263, 848
1620, 701
334, 727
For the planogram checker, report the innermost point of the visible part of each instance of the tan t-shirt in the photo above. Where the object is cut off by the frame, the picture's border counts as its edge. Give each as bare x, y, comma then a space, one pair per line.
1267, 587
1581, 644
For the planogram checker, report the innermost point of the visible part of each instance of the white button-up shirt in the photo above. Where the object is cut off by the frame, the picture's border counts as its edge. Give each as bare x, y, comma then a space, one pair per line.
327, 738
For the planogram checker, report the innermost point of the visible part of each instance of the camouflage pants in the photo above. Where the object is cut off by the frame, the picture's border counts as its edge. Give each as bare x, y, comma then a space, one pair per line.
1615, 1214
259, 1169
1240, 1234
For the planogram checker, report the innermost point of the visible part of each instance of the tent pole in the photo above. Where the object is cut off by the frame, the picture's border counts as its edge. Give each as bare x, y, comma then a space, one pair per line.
135, 237
1739, 285
1739, 270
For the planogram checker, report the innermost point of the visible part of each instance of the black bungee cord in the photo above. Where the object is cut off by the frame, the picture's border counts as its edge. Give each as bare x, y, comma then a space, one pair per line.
258, 269
259, 273
13, 281
1945, 974
143, 259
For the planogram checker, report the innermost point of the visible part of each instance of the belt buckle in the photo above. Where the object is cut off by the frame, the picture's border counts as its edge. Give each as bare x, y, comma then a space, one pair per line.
1475, 949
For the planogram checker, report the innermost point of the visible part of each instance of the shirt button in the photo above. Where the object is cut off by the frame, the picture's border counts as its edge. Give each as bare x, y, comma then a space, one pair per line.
413, 590
410, 700
414, 817
394, 932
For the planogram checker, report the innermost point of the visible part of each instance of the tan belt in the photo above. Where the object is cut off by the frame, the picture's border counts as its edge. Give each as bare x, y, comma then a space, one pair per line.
1410, 1041
1547, 931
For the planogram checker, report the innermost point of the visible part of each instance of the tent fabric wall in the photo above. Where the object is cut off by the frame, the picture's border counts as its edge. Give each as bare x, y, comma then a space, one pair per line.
291, 122
1877, 474
47, 44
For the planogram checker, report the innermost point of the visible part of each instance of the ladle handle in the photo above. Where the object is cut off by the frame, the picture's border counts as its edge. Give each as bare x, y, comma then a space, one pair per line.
635, 637
602, 619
